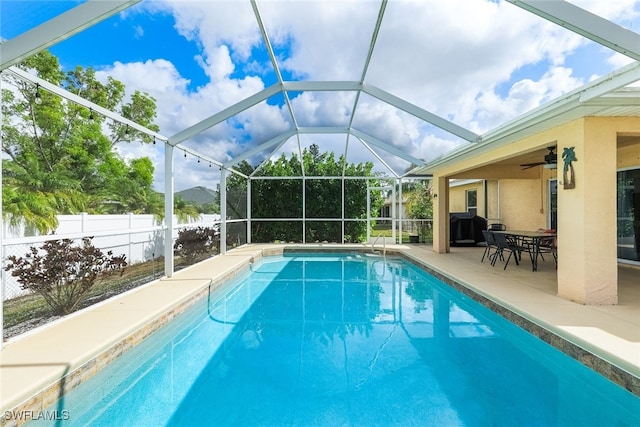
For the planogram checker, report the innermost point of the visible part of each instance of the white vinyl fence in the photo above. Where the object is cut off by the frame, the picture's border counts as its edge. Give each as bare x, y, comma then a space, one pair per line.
139, 237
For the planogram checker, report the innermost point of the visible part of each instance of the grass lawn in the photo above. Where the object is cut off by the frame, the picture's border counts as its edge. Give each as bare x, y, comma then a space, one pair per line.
386, 231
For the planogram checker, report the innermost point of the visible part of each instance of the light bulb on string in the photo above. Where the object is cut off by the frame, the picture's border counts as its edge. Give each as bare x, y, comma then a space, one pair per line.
38, 99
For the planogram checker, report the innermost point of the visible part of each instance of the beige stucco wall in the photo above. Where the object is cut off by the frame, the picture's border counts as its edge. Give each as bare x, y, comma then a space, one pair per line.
587, 269
523, 204
520, 204
458, 197
629, 157
493, 198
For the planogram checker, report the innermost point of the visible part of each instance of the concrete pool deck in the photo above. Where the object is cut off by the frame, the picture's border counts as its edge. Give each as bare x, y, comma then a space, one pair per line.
32, 366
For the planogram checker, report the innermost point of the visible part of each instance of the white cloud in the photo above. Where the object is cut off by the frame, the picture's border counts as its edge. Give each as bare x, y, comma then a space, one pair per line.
615, 10
476, 63
493, 110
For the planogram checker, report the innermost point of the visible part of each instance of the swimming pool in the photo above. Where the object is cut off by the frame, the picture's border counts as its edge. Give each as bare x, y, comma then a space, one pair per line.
344, 339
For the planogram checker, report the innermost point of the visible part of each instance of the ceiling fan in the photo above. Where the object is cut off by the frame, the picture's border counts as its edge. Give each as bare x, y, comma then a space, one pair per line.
550, 160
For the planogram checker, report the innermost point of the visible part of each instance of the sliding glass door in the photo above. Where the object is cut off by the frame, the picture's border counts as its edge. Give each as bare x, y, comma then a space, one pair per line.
552, 209
629, 214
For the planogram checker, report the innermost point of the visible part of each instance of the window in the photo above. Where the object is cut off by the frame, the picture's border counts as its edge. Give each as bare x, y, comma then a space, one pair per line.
472, 201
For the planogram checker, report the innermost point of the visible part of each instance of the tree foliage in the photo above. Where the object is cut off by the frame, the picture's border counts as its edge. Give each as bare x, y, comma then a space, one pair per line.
323, 207
63, 274
420, 206
60, 156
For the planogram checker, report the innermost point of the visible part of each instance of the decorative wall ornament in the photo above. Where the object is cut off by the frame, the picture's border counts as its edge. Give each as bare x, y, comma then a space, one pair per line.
568, 175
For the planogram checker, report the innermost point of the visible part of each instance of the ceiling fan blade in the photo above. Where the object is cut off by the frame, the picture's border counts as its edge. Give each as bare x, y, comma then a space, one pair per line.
531, 165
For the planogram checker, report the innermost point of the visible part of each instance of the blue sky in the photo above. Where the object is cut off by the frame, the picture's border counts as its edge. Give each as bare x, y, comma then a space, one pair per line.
478, 63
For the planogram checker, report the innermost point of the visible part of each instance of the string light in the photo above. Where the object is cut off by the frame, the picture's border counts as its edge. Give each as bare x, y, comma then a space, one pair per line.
127, 131
38, 99
185, 154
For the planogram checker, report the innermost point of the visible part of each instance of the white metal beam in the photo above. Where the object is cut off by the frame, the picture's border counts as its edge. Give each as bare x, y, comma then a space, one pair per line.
168, 210
266, 159
272, 56
45, 85
59, 28
377, 156
616, 80
386, 147
224, 114
585, 23
568, 102
620, 98
223, 211
322, 86
323, 129
421, 113
260, 148
374, 38
197, 155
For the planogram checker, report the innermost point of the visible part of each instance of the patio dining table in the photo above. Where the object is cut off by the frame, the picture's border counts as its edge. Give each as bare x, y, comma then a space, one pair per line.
530, 239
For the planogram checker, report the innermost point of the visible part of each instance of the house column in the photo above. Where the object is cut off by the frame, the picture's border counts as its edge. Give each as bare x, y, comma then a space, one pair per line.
440, 214
587, 251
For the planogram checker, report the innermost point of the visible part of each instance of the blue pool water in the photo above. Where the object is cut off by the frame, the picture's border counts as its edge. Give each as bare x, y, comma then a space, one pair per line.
345, 340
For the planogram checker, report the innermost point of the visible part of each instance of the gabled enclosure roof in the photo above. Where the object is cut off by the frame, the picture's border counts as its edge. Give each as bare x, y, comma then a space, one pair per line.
386, 107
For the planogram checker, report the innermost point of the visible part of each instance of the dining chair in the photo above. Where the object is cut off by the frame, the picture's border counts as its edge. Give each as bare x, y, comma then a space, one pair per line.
497, 227
504, 243
491, 245
547, 245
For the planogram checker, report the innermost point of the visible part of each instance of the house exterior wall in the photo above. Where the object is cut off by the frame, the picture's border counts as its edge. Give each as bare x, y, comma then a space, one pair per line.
587, 251
493, 201
628, 157
520, 204
458, 200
